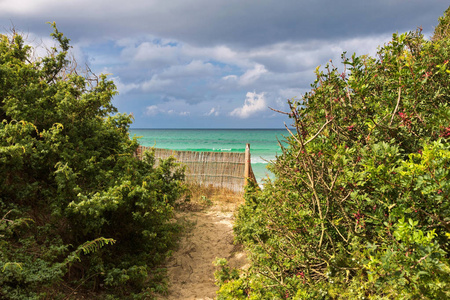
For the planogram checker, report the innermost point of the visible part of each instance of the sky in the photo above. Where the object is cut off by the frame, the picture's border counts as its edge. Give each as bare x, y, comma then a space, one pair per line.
215, 63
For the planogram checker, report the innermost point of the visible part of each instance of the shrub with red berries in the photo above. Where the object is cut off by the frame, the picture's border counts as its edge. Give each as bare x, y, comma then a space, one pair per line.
367, 172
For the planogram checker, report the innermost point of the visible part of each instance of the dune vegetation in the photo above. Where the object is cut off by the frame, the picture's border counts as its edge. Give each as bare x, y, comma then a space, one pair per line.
360, 205
79, 214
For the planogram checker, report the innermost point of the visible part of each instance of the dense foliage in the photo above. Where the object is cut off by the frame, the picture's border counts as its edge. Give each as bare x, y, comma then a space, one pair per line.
360, 205
77, 210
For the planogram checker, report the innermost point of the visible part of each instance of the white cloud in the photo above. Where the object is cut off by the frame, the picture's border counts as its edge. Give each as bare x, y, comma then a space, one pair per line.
290, 93
253, 103
23, 7
230, 77
213, 112
150, 53
124, 88
151, 110
155, 84
176, 69
171, 108
252, 75
194, 68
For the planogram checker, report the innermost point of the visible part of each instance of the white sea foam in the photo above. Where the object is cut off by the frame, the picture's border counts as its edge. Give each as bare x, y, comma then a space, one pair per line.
263, 143
261, 160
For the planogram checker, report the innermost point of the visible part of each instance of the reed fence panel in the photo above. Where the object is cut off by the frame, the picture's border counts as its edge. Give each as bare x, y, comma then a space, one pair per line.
219, 169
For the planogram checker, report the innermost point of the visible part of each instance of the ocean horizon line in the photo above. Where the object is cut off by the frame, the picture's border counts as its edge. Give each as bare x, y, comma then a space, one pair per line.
263, 142
142, 128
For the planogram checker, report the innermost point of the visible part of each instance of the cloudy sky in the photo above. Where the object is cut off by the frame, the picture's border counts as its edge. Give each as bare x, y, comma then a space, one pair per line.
215, 63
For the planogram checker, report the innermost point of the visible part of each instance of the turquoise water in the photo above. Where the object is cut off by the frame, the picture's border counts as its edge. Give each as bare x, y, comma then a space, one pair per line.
263, 143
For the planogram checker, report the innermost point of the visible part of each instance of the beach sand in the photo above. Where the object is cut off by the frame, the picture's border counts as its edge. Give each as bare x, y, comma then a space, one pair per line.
209, 235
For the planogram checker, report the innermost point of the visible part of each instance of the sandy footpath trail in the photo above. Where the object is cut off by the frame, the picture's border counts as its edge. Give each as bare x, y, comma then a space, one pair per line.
209, 235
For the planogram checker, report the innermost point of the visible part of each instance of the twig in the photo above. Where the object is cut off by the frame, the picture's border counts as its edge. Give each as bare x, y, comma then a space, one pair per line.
279, 111
4, 217
292, 134
75, 289
320, 130
420, 260
396, 107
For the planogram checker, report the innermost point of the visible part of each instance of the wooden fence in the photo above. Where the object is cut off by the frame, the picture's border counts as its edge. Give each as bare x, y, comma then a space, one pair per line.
228, 170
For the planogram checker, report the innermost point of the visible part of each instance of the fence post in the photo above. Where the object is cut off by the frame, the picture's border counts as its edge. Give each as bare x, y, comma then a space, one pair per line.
247, 164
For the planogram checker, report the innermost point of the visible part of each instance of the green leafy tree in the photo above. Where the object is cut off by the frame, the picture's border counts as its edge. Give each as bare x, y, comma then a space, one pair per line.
359, 208
442, 31
77, 206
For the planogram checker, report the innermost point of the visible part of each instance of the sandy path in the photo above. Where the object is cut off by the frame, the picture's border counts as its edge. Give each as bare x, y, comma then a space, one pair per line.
210, 236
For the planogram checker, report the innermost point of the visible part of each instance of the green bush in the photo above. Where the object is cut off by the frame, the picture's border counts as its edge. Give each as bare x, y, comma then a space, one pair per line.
359, 208
77, 209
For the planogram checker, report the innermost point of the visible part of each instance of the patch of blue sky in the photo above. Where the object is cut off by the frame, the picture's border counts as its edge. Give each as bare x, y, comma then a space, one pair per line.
232, 69
173, 44
219, 64
104, 55
108, 47
164, 43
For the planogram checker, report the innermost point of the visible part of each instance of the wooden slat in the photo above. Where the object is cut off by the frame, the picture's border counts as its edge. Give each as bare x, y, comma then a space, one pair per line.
219, 169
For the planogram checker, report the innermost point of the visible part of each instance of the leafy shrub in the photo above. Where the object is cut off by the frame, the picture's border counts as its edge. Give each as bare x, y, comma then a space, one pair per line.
359, 208
78, 209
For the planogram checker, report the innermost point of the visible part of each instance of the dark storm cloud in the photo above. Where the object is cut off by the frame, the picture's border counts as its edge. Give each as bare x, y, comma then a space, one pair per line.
236, 23
180, 63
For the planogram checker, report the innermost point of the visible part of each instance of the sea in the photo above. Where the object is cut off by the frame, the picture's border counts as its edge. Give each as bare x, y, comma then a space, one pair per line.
264, 146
